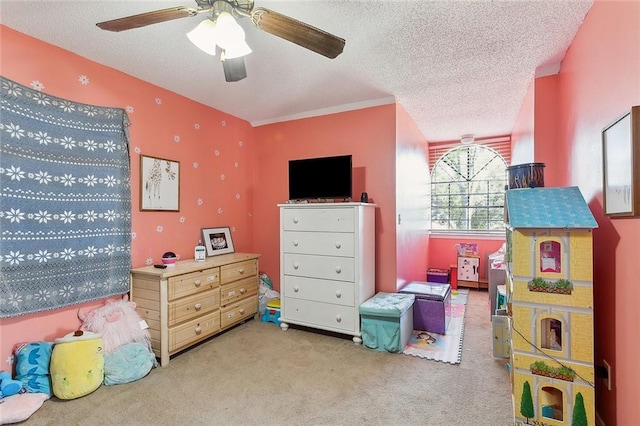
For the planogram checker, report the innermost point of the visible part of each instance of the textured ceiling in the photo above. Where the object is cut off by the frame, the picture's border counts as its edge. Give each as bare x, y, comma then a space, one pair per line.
457, 67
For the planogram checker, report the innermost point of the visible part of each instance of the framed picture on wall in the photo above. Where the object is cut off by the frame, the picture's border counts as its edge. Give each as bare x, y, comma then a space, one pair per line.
217, 240
621, 165
159, 184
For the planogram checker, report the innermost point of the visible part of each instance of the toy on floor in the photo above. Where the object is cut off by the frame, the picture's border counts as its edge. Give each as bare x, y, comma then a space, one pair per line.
18, 408
32, 366
117, 322
126, 341
265, 293
8, 386
77, 364
272, 312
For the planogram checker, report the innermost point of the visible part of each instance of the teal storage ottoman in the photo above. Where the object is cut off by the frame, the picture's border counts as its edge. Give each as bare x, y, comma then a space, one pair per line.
387, 321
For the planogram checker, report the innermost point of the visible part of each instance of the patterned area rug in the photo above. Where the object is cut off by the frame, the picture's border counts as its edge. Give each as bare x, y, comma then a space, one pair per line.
442, 347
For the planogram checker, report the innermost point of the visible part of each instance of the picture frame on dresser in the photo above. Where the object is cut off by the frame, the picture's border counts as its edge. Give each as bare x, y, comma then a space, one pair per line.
159, 184
621, 165
217, 240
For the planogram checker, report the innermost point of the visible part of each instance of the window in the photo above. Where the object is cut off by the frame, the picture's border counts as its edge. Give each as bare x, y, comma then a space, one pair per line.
552, 403
467, 190
551, 329
550, 260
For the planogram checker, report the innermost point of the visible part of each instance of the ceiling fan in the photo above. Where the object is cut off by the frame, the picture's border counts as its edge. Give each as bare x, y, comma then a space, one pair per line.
282, 26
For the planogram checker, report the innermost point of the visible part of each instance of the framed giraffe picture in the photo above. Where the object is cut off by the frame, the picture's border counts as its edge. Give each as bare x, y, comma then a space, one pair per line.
159, 184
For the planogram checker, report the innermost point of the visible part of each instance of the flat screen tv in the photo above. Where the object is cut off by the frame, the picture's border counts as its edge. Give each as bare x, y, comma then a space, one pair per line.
320, 178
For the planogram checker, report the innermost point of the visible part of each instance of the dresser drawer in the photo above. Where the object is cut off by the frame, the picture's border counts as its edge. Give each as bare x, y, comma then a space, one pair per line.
245, 308
334, 292
193, 306
238, 271
237, 290
325, 267
195, 282
190, 332
318, 219
324, 243
318, 314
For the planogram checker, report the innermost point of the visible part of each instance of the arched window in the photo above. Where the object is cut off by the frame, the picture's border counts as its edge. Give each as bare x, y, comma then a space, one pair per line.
552, 403
467, 190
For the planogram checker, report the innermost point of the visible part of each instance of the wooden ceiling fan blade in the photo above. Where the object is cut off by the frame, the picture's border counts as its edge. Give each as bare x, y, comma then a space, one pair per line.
297, 32
148, 18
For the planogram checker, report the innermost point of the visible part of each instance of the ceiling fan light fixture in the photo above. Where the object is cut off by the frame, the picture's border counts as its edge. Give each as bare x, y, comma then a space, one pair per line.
228, 32
467, 139
204, 36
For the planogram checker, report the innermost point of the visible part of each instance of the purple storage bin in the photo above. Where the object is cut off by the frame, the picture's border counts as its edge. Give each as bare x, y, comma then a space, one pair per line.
438, 275
432, 307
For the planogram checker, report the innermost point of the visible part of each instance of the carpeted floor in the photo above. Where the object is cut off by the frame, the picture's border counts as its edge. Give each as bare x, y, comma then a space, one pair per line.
442, 347
257, 374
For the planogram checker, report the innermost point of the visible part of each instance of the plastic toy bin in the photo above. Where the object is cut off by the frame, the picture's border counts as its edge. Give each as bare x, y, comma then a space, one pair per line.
432, 310
387, 321
438, 275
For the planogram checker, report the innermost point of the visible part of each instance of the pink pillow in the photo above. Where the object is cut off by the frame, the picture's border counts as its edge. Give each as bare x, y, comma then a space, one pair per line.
20, 407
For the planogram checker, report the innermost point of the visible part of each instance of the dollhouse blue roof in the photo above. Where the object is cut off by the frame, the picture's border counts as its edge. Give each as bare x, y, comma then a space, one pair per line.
562, 207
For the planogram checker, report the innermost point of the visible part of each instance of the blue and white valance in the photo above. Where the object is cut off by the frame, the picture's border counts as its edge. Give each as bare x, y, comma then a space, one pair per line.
65, 201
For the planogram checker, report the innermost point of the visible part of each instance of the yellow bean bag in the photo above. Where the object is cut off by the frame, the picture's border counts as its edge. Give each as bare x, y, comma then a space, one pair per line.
77, 364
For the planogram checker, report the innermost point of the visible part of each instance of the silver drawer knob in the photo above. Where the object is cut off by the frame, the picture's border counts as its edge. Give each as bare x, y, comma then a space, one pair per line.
198, 330
197, 283
241, 271
338, 294
338, 245
295, 243
296, 288
198, 306
241, 311
295, 220
296, 265
338, 269
243, 290
338, 318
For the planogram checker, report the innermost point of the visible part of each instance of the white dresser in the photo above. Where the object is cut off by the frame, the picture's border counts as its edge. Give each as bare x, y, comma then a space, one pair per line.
327, 265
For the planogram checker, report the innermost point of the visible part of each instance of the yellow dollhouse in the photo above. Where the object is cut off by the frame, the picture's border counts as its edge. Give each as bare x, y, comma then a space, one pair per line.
550, 306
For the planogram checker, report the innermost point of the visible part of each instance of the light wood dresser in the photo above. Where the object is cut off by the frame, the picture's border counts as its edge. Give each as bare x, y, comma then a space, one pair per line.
327, 265
191, 301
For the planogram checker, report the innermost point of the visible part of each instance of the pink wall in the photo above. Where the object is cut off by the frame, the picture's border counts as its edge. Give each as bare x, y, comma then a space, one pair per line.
598, 81
538, 120
522, 134
547, 150
216, 170
412, 199
369, 135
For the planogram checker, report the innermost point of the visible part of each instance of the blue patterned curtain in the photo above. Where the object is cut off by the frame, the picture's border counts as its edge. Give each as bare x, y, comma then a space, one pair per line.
65, 201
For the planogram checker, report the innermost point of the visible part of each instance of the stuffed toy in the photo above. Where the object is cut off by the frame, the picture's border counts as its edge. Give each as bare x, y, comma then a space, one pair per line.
32, 367
77, 364
8, 386
126, 341
32, 373
117, 322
